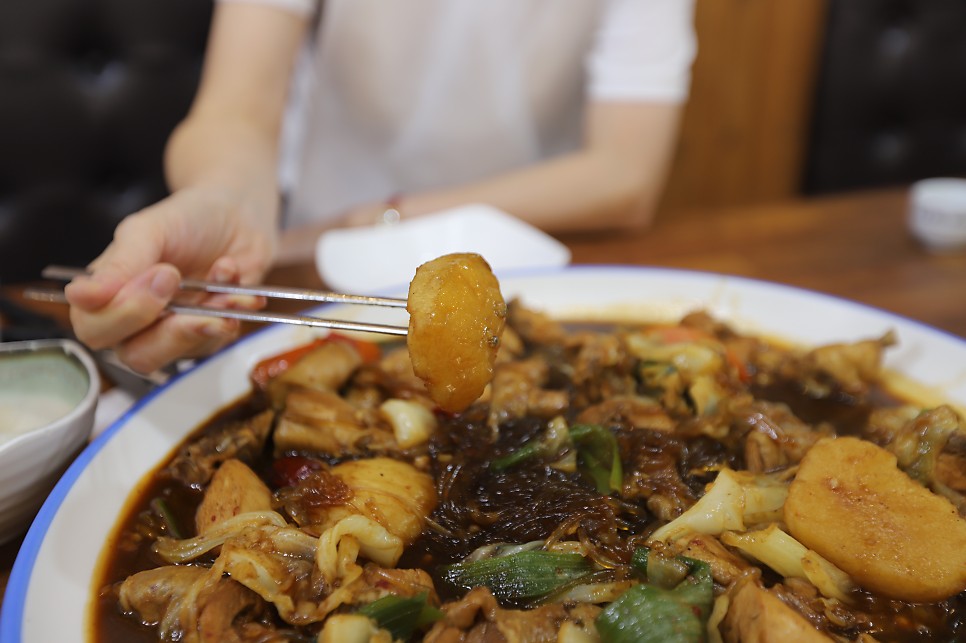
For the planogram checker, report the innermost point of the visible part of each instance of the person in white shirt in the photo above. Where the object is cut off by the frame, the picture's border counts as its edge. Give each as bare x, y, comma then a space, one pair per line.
563, 113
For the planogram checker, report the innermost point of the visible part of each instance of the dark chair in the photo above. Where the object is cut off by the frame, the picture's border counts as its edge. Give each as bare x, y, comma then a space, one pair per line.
89, 92
891, 100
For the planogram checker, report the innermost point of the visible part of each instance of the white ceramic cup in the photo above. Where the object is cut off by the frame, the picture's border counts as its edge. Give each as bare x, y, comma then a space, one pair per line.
937, 213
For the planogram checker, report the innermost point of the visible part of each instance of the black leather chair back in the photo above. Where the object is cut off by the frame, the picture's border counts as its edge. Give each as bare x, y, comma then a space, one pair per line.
891, 100
89, 92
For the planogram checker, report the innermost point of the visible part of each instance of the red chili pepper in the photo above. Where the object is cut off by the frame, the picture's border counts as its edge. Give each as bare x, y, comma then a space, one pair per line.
287, 471
744, 373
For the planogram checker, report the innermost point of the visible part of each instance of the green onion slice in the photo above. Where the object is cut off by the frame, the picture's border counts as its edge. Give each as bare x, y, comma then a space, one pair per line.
402, 616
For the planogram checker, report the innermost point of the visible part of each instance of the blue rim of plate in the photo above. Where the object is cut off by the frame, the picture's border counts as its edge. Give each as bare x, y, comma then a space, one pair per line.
12, 612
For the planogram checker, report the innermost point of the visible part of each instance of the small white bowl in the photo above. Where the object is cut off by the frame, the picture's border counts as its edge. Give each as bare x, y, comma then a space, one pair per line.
48, 396
371, 259
937, 213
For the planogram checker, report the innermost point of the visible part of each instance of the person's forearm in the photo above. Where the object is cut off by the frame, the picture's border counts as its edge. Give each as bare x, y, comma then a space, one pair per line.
575, 192
614, 182
231, 156
228, 143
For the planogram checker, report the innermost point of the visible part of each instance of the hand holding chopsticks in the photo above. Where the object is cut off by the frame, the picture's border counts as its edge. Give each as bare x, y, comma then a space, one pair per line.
63, 273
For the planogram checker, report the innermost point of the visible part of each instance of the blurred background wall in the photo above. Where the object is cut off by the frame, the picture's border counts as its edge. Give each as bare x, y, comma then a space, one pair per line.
790, 98
89, 91
809, 97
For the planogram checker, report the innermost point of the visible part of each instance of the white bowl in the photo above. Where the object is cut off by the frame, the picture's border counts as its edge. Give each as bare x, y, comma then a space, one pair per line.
371, 259
48, 395
937, 213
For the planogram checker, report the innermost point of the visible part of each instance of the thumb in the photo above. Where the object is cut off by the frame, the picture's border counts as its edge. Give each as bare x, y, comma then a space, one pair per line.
134, 251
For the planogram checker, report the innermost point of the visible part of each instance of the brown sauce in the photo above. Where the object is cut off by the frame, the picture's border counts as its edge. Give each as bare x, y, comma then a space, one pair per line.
481, 506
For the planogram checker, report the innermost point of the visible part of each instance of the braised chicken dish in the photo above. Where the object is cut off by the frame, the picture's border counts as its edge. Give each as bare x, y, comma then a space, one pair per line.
609, 482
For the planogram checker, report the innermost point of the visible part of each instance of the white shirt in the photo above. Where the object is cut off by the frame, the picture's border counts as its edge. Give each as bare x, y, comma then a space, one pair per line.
404, 95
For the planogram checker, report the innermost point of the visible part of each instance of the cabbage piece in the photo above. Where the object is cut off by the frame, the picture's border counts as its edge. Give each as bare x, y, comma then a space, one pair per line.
734, 500
791, 559
355, 535
411, 422
172, 550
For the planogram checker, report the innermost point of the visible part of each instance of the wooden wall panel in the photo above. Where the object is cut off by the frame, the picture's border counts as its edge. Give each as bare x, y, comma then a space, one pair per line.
745, 127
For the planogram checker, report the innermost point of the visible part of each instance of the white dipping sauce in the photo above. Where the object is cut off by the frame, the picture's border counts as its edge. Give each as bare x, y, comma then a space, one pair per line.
21, 412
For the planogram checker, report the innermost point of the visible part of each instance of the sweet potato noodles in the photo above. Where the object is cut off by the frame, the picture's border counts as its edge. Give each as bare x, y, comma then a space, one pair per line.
613, 483
456, 317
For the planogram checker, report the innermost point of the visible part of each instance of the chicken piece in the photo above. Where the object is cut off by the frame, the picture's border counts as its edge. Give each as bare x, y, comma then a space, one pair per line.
931, 447
726, 567
151, 592
396, 367
517, 391
220, 608
326, 368
851, 503
235, 489
261, 551
456, 318
323, 422
197, 461
188, 605
951, 466
629, 410
477, 617
850, 366
378, 582
602, 367
534, 327
756, 615
511, 346
777, 438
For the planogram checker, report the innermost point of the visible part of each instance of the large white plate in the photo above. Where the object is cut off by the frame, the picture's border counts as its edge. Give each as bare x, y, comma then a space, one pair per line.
50, 589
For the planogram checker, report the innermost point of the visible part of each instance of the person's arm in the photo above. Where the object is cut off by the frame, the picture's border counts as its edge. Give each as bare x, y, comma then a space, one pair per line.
229, 140
613, 182
220, 221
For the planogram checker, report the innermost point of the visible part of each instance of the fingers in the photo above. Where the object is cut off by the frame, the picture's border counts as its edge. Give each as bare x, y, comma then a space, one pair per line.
122, 303
134, 306
178, 336
175, 337
145, 337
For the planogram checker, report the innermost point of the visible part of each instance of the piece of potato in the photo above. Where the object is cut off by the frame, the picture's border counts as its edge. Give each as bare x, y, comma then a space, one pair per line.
456, 318
851, 504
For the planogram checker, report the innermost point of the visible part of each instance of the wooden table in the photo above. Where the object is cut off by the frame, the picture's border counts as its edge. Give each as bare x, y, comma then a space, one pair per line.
854, 246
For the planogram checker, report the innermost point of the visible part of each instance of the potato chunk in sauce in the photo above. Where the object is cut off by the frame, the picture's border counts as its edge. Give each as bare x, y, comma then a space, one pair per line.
456, 317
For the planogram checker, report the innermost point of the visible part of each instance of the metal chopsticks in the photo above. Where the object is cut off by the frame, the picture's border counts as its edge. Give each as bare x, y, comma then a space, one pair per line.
65, 273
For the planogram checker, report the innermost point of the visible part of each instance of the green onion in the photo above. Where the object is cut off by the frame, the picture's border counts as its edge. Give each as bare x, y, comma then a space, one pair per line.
521, 576
549, 444
597, 453
402, 616
160, 507
664, 571
599, 456
648, 614
655, 612
529, 450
